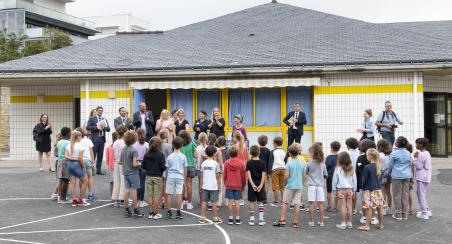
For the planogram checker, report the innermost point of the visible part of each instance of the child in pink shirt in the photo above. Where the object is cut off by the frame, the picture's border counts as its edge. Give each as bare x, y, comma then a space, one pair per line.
110, 154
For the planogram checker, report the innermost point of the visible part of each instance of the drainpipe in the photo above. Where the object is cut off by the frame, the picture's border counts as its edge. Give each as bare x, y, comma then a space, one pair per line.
87, 105
415, 105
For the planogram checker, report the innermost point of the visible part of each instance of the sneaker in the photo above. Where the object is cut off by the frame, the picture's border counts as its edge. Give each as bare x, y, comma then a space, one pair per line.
429, 213
83, 203
202, 220
209, 207
242, 202
274, 204
91, 197
142, 204
179, 215
151, 216
63, 201
137, 214
302, 207
169, 214
321, 224
230, 221
157, 216
127, 213
217, 220
291, 206
421, 215
349, 225
342, 226
74, 203
374, 221
397, 217
261, 223
238, 221
41, 170
54, 197
189, 206
317, 210
311, 224
363, 220
116, 204
355, 212
251, 222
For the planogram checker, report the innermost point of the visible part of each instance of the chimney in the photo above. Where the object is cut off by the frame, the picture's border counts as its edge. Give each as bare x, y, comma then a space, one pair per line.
274, 1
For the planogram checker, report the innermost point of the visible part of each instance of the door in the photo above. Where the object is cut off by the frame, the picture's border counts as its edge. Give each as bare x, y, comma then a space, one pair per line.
155, 101
449, 124
435, 106
77, 111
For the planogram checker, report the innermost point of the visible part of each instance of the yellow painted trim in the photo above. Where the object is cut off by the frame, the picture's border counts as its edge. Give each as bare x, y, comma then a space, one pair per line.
104, 94
283, 114
23, 99
168, 100
58, 99
225, 107
407, 88
131, 102
420, 87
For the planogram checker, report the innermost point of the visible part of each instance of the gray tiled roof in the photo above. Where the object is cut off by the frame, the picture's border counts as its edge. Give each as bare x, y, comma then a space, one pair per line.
272, 34
438, 29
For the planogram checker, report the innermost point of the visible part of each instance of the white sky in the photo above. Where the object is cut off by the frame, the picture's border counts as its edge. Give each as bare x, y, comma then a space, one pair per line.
168, 14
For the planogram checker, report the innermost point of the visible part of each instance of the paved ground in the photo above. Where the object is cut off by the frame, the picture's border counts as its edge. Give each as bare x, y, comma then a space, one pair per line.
36, 219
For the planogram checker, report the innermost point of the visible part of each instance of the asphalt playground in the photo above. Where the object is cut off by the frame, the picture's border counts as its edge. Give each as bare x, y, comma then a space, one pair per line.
29, 216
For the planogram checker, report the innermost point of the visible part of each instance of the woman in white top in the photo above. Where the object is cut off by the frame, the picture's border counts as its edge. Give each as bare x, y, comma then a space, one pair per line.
165, 122
76, 168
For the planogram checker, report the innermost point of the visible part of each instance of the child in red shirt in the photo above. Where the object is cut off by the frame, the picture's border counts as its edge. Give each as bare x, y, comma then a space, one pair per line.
110, 154
234, 181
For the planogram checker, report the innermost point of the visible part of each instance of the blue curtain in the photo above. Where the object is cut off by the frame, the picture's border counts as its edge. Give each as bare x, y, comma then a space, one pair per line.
241, 102
207, 100
182, 98
138, 97
268, 107
303, 95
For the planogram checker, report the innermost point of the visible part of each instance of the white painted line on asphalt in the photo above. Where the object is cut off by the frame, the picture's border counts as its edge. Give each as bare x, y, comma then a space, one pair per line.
23, 198
19, 241
225, 234
102, 228
56, 217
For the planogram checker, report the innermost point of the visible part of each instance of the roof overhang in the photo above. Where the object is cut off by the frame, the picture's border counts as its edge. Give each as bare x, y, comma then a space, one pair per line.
42, 20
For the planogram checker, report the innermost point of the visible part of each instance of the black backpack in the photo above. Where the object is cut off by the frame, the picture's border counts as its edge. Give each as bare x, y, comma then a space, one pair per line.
383, 117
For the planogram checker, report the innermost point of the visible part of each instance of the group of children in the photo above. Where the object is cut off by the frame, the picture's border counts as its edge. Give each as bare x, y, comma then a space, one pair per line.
364, 173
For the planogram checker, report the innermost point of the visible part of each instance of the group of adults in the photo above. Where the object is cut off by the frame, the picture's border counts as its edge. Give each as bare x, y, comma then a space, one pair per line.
98, 126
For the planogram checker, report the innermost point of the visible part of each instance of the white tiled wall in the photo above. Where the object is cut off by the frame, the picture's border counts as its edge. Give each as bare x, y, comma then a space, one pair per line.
110, 105
24, 116
337, 116
437, 83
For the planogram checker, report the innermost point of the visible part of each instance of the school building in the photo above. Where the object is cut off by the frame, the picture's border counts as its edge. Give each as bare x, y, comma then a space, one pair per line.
257, 62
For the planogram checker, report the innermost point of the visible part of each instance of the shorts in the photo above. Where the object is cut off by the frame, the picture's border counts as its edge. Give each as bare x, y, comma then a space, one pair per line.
174, 186
292, 196
75, 169
233, 194
345, 193
88, 167
373, 199
316, 194
61, 169
278, 180
154, 186
329, 184
254, 196
209, 196
191, 172
110, 175
132, 181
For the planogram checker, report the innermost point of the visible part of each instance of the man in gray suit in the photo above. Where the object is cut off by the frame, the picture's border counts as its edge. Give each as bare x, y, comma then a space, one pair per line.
123, 119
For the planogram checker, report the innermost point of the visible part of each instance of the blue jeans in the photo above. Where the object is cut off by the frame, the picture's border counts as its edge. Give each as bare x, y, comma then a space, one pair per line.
142, 184
388, 136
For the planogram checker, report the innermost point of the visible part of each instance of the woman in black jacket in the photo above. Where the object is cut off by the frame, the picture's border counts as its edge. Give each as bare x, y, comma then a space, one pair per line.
41, 134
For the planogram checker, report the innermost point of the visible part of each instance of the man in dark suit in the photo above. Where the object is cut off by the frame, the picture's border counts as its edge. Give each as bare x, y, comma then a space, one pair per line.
144, 119
98, 126
295, 120
123, 119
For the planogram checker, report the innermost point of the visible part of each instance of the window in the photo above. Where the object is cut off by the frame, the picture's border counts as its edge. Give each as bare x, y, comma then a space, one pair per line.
207, 100
241, 102
268, 107
303, 95
182, 98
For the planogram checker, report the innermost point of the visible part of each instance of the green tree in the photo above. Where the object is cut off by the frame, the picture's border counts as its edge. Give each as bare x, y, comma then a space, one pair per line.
10, 46
54, 39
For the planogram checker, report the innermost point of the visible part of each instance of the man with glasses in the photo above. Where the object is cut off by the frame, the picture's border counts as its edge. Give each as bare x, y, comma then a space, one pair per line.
123, 119
98, 126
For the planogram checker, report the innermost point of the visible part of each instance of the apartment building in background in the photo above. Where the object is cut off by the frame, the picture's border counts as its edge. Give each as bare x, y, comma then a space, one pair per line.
111, 24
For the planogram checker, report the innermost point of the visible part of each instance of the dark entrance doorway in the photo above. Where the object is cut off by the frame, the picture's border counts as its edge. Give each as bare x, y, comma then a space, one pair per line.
438, 124
155, 101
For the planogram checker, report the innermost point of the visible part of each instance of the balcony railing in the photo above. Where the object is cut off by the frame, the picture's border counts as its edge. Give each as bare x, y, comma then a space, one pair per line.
51, 13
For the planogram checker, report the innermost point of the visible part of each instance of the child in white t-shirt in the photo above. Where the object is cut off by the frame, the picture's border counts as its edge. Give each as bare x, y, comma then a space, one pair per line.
88, 159
210, 176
